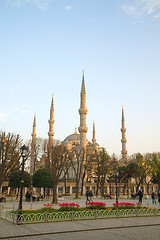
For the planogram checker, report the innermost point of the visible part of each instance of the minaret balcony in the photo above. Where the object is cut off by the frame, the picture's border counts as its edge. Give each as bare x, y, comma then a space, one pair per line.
83, 129
83, 111
50, 133
33, 135
123, 140
51, 121
124, 152
123, 129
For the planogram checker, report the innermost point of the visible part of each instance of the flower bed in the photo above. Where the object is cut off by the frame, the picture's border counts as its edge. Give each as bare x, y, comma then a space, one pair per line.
126, 205
72, 211
68, 206
95, 205
55, 216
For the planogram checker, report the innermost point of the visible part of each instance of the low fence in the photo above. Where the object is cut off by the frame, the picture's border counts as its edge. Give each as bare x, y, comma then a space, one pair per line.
47, 217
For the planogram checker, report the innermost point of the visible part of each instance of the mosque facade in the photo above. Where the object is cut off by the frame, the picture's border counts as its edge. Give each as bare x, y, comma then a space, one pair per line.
77, 140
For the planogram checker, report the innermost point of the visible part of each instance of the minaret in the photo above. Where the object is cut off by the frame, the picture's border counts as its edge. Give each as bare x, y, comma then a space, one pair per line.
94, 133
75, 130
83, 112
33, 148
51, 122
123, 140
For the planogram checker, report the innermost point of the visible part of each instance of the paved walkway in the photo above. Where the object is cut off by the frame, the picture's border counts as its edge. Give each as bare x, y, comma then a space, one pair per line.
81, 201
113, 229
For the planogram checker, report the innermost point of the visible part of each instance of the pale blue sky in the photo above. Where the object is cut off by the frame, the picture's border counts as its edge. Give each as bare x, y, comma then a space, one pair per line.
45, 45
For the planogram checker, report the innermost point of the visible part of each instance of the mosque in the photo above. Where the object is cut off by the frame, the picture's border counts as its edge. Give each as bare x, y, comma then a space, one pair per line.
76, 140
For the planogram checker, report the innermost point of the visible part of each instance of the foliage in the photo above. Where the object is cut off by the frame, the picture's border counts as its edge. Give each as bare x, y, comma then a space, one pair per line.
102, 168
59, 160
15, 179
42, 178
9, 154
155, 169
78, 160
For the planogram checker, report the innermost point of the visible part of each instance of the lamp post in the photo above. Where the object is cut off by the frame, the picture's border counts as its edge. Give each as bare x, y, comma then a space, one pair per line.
116, 173
24, 152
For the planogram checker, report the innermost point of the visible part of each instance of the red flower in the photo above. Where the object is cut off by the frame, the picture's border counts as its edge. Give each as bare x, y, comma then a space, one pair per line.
96, 204
69, 205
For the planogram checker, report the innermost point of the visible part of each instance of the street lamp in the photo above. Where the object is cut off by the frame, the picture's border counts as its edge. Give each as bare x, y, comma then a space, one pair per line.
24, 153
116, 173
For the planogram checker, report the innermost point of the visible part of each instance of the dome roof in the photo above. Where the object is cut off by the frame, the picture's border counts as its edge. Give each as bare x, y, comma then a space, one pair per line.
72, 137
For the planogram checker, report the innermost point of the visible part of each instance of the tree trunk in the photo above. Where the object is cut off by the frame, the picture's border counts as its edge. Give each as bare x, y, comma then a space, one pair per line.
110, 187
97, 186
102, 186
102, 190
119, 188
97, 189
84, 173
77, 189
65, 187
158, 186
54, 188
82, 185
17, 193
44, 192
127, 190
0, 188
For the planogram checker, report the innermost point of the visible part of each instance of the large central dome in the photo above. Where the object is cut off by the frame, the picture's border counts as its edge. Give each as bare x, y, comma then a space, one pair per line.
72, 140
72, 137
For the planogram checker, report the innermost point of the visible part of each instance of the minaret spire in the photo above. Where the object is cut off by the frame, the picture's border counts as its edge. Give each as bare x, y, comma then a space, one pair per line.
33, 148
83, 84
94, 133
83, 112
51, 122
123, 140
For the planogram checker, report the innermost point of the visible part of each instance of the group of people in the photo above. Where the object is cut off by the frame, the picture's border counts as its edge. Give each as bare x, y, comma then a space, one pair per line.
154, 196
107, 196
89, 196
140, 195
2, 198
33, 196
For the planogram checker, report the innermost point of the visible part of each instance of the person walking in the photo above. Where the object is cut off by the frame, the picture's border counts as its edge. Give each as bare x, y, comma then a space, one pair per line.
140, 195
87, 196
158, 197
153, 196
90, 196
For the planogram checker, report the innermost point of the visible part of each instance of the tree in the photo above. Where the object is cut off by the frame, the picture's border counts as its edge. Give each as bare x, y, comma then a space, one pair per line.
59, 161
16, 177
9, 154
155, 169
42, 178
88, 166
38, 154
102, 168
140, 177
126, 173
77, 163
